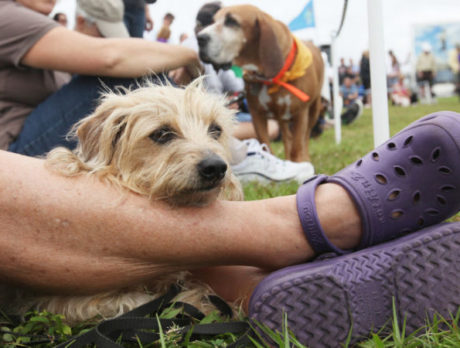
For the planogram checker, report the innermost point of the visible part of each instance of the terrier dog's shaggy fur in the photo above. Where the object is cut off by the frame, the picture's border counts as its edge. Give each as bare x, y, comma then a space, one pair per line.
161, 142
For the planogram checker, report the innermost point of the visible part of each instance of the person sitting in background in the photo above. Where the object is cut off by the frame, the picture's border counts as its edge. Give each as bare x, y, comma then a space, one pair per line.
61, 18
351, 102
37, 114
400, 94
165, 32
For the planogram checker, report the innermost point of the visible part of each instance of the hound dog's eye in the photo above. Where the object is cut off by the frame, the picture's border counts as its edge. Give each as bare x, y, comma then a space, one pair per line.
215, 131
163, 135
230, 21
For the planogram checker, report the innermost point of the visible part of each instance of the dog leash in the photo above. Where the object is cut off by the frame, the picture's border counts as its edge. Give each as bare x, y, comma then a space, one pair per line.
132, 326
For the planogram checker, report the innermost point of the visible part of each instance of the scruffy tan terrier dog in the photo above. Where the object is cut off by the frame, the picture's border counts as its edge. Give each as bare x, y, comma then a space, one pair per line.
161, 142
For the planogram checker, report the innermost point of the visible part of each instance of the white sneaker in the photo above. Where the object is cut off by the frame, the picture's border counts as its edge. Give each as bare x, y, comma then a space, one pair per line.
260, 165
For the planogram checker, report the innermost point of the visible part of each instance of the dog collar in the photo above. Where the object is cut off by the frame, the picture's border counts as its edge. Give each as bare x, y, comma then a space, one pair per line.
278, 79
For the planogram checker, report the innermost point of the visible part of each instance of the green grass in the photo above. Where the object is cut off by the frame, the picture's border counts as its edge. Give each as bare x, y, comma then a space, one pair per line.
328, 158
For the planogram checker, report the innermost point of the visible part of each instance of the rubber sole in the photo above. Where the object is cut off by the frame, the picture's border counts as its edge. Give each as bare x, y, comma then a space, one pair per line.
324, 300
250, 177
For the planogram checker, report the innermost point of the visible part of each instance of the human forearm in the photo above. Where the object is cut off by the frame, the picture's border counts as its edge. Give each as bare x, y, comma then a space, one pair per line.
64, 50
136, 57
79, 234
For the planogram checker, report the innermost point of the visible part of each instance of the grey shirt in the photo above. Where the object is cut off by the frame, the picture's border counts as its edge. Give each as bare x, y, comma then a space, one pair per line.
21, 88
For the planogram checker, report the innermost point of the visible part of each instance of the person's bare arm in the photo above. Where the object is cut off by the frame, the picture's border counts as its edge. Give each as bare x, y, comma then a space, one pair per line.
80, 235
66, 50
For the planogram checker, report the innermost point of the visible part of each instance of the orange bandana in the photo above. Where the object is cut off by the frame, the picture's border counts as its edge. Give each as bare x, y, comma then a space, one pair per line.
302, 61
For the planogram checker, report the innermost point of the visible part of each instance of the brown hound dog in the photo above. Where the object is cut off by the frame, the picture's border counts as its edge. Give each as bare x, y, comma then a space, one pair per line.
283, 75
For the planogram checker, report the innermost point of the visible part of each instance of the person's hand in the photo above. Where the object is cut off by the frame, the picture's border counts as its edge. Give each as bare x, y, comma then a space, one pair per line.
180, 76
195, 69
148, 19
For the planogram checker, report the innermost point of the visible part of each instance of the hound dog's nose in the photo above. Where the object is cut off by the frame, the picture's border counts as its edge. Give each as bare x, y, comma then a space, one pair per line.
203, 40
212, 169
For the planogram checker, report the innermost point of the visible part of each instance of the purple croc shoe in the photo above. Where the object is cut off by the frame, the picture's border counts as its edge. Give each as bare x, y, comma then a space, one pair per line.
407, 184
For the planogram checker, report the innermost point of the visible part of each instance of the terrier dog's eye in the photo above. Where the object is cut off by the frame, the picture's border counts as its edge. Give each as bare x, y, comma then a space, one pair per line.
163, 135
215, 131
230, 21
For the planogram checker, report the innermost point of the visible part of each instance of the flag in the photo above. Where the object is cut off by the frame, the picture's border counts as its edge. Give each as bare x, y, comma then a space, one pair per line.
306, 18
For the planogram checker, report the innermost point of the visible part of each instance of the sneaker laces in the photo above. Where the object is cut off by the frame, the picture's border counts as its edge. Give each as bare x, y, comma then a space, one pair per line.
256, 148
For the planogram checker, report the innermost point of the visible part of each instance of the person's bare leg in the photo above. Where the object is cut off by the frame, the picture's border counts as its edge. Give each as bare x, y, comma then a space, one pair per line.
338, 217
79, 235
245, 130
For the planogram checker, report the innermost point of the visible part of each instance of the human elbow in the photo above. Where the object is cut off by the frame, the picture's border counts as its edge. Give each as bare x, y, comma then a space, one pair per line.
109, 62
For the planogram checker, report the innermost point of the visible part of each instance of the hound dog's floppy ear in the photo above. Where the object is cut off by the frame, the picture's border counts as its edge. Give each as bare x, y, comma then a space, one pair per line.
99, 133
270, 54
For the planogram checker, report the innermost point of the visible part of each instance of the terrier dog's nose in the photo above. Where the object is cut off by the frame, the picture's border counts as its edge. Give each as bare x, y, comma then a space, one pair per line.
212, 168
203, 40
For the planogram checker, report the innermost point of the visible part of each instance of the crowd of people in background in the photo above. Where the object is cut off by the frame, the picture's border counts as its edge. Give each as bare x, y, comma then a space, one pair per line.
354, 79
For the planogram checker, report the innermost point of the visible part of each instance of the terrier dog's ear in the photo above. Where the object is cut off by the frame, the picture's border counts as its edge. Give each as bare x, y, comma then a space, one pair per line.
99, 133
270, 54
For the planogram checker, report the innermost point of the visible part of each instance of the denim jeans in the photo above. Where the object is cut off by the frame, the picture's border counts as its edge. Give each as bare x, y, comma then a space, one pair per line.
134, 19
48, 124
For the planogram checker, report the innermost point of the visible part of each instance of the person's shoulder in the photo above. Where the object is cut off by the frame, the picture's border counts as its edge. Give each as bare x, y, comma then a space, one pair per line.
20, 29
12, 12
7, 7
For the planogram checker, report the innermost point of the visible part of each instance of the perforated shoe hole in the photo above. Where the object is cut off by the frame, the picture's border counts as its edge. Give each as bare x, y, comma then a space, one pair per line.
416, 197
408, 141
420, 222
399, 171
375, 156
359, 163
381, 179
435, 154
432, 211
441, 199
444, 170
396, 214
393, 195
416, 160
391, 146
448, 188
